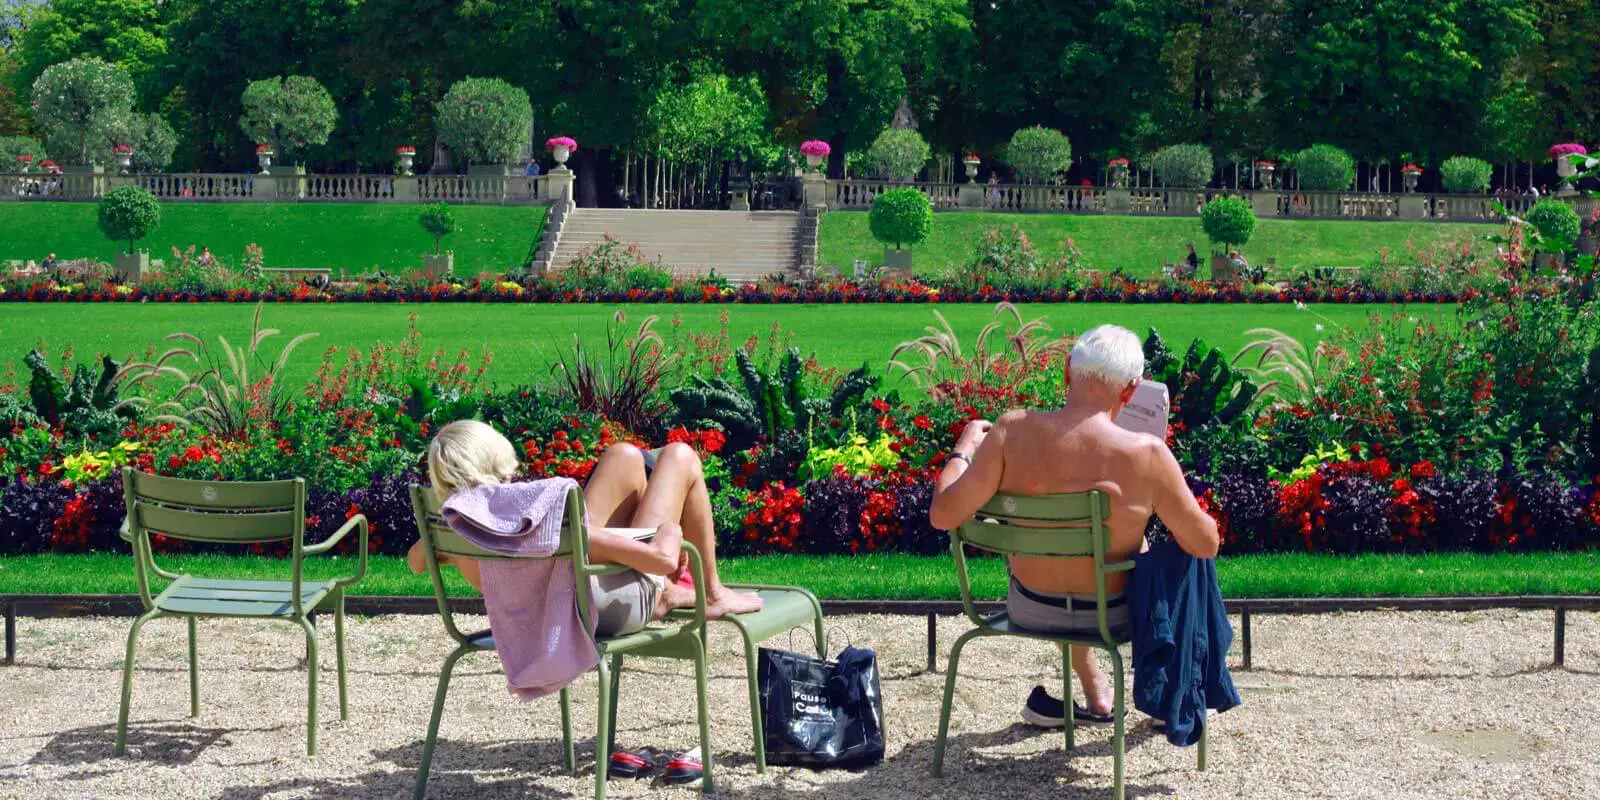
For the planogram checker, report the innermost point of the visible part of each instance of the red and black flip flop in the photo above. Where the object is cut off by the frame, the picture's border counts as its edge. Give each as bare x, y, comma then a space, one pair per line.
684, 770
630, 765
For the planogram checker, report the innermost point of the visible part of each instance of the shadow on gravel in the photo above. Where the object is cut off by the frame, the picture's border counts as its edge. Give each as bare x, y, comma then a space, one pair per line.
171, 742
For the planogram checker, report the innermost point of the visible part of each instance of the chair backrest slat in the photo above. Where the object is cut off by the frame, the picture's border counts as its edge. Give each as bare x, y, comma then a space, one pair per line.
228, 495
1060, 525
208, 526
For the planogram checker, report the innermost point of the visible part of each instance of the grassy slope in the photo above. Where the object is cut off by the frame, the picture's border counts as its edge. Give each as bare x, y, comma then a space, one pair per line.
914, 577
351, 236
525, 338
1140, 244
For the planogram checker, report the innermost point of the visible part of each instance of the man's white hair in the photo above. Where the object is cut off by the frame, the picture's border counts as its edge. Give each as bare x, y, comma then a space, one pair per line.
1110, 354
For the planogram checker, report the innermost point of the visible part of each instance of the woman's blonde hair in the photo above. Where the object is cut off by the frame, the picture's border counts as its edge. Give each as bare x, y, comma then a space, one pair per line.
469, 453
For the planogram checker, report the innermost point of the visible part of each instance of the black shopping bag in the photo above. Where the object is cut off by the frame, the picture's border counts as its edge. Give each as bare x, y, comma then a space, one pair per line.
820, 713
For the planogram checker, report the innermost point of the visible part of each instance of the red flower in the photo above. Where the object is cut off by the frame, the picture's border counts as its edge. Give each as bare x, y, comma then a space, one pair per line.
1423, 469
922, 422
880, 405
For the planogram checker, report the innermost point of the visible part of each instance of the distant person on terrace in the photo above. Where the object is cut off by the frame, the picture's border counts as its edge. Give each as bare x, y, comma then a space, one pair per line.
1076, 448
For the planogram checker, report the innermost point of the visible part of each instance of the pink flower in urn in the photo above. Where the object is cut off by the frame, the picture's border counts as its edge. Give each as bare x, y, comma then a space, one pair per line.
562, 141
816, 148
122, 150
1568, 149
405, 150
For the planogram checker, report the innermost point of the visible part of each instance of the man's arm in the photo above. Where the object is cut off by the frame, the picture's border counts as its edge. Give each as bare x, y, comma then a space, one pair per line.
964, 485
1192, 528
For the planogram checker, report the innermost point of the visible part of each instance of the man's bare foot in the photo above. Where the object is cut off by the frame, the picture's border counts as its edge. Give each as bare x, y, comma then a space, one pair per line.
721, 601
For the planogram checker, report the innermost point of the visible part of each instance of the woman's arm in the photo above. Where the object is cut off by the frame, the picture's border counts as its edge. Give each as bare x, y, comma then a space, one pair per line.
659, 556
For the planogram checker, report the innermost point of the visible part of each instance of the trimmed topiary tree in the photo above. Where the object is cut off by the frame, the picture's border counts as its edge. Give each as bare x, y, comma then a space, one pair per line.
1557, 223
128, 214
81, 105
291, 114
1324, 168
439, 222
1039, 154
484, 120
902, 218
1465, 175
898, 154
1183, 166
1228, 221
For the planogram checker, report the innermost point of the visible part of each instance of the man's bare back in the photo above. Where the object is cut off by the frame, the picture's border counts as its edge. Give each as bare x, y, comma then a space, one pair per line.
1075, 449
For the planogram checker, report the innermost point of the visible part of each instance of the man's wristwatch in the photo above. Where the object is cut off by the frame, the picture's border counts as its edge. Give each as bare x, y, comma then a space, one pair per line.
955, 455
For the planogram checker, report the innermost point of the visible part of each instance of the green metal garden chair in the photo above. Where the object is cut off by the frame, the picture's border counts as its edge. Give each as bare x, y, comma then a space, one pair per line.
683, 641
1058, 525
232, 512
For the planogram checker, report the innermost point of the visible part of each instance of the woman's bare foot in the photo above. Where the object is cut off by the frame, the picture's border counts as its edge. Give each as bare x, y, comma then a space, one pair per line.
721, 601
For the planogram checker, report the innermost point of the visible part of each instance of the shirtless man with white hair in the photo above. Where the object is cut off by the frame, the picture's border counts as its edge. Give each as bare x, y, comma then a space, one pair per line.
1076, 448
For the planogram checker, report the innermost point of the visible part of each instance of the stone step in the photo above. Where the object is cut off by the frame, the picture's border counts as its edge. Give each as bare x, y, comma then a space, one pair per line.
742, 246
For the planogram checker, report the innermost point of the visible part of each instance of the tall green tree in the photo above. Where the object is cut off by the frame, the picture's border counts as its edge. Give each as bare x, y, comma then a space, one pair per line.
128, 33
838, 69
228, 43
1385, 77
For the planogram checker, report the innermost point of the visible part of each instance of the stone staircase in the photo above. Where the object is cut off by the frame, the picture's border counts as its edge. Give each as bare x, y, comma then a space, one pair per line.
742, 246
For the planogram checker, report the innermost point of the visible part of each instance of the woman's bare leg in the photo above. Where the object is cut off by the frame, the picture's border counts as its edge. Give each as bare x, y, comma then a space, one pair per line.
676, 492
615, 487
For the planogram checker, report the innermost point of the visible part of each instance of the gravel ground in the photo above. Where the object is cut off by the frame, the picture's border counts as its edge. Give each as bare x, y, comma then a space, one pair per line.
1378, 705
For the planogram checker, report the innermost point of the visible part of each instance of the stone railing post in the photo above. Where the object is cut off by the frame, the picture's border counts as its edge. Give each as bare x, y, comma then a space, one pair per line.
1119, 200
1264, 203
1413, 206
816, 190
405, 190
558, 185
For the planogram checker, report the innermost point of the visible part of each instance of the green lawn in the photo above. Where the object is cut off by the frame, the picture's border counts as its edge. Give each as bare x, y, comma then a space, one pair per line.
525, 338
1140, 245
905, 577
348, 236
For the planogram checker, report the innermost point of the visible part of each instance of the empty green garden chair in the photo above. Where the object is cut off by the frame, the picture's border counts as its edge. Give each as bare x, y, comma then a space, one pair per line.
681, 641
232, 512
1059, 525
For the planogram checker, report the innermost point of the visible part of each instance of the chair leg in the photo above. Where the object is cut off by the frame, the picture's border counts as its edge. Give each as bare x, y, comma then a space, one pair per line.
949, 697
338, 650
127, 680
566, 732
704, 707
1119, 713
313, 666
1071, 723
194, 672
616, 694
602, 735
438, 713
757, 733
1205, 734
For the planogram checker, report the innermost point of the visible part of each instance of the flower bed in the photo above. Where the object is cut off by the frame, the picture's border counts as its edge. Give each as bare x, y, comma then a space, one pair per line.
494, 289
1403, 437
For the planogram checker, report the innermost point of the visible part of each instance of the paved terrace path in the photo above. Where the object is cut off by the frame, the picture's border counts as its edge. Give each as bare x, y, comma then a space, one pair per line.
1377, 705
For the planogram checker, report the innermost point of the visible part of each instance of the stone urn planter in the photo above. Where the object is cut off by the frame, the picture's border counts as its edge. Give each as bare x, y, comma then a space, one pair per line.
972, 162
814, 162
1565, 169
440, 265
815, 151
405, 157
561, 149
1222, 270
130, 268
1409, 180
264, 156
124, 156
897, 260
1266, 174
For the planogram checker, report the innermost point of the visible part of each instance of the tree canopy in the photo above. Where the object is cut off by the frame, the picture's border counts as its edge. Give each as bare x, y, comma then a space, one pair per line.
1382, 79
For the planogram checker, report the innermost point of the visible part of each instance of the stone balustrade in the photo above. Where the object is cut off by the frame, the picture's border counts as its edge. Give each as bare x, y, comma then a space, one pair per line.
858, 194
247, 187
